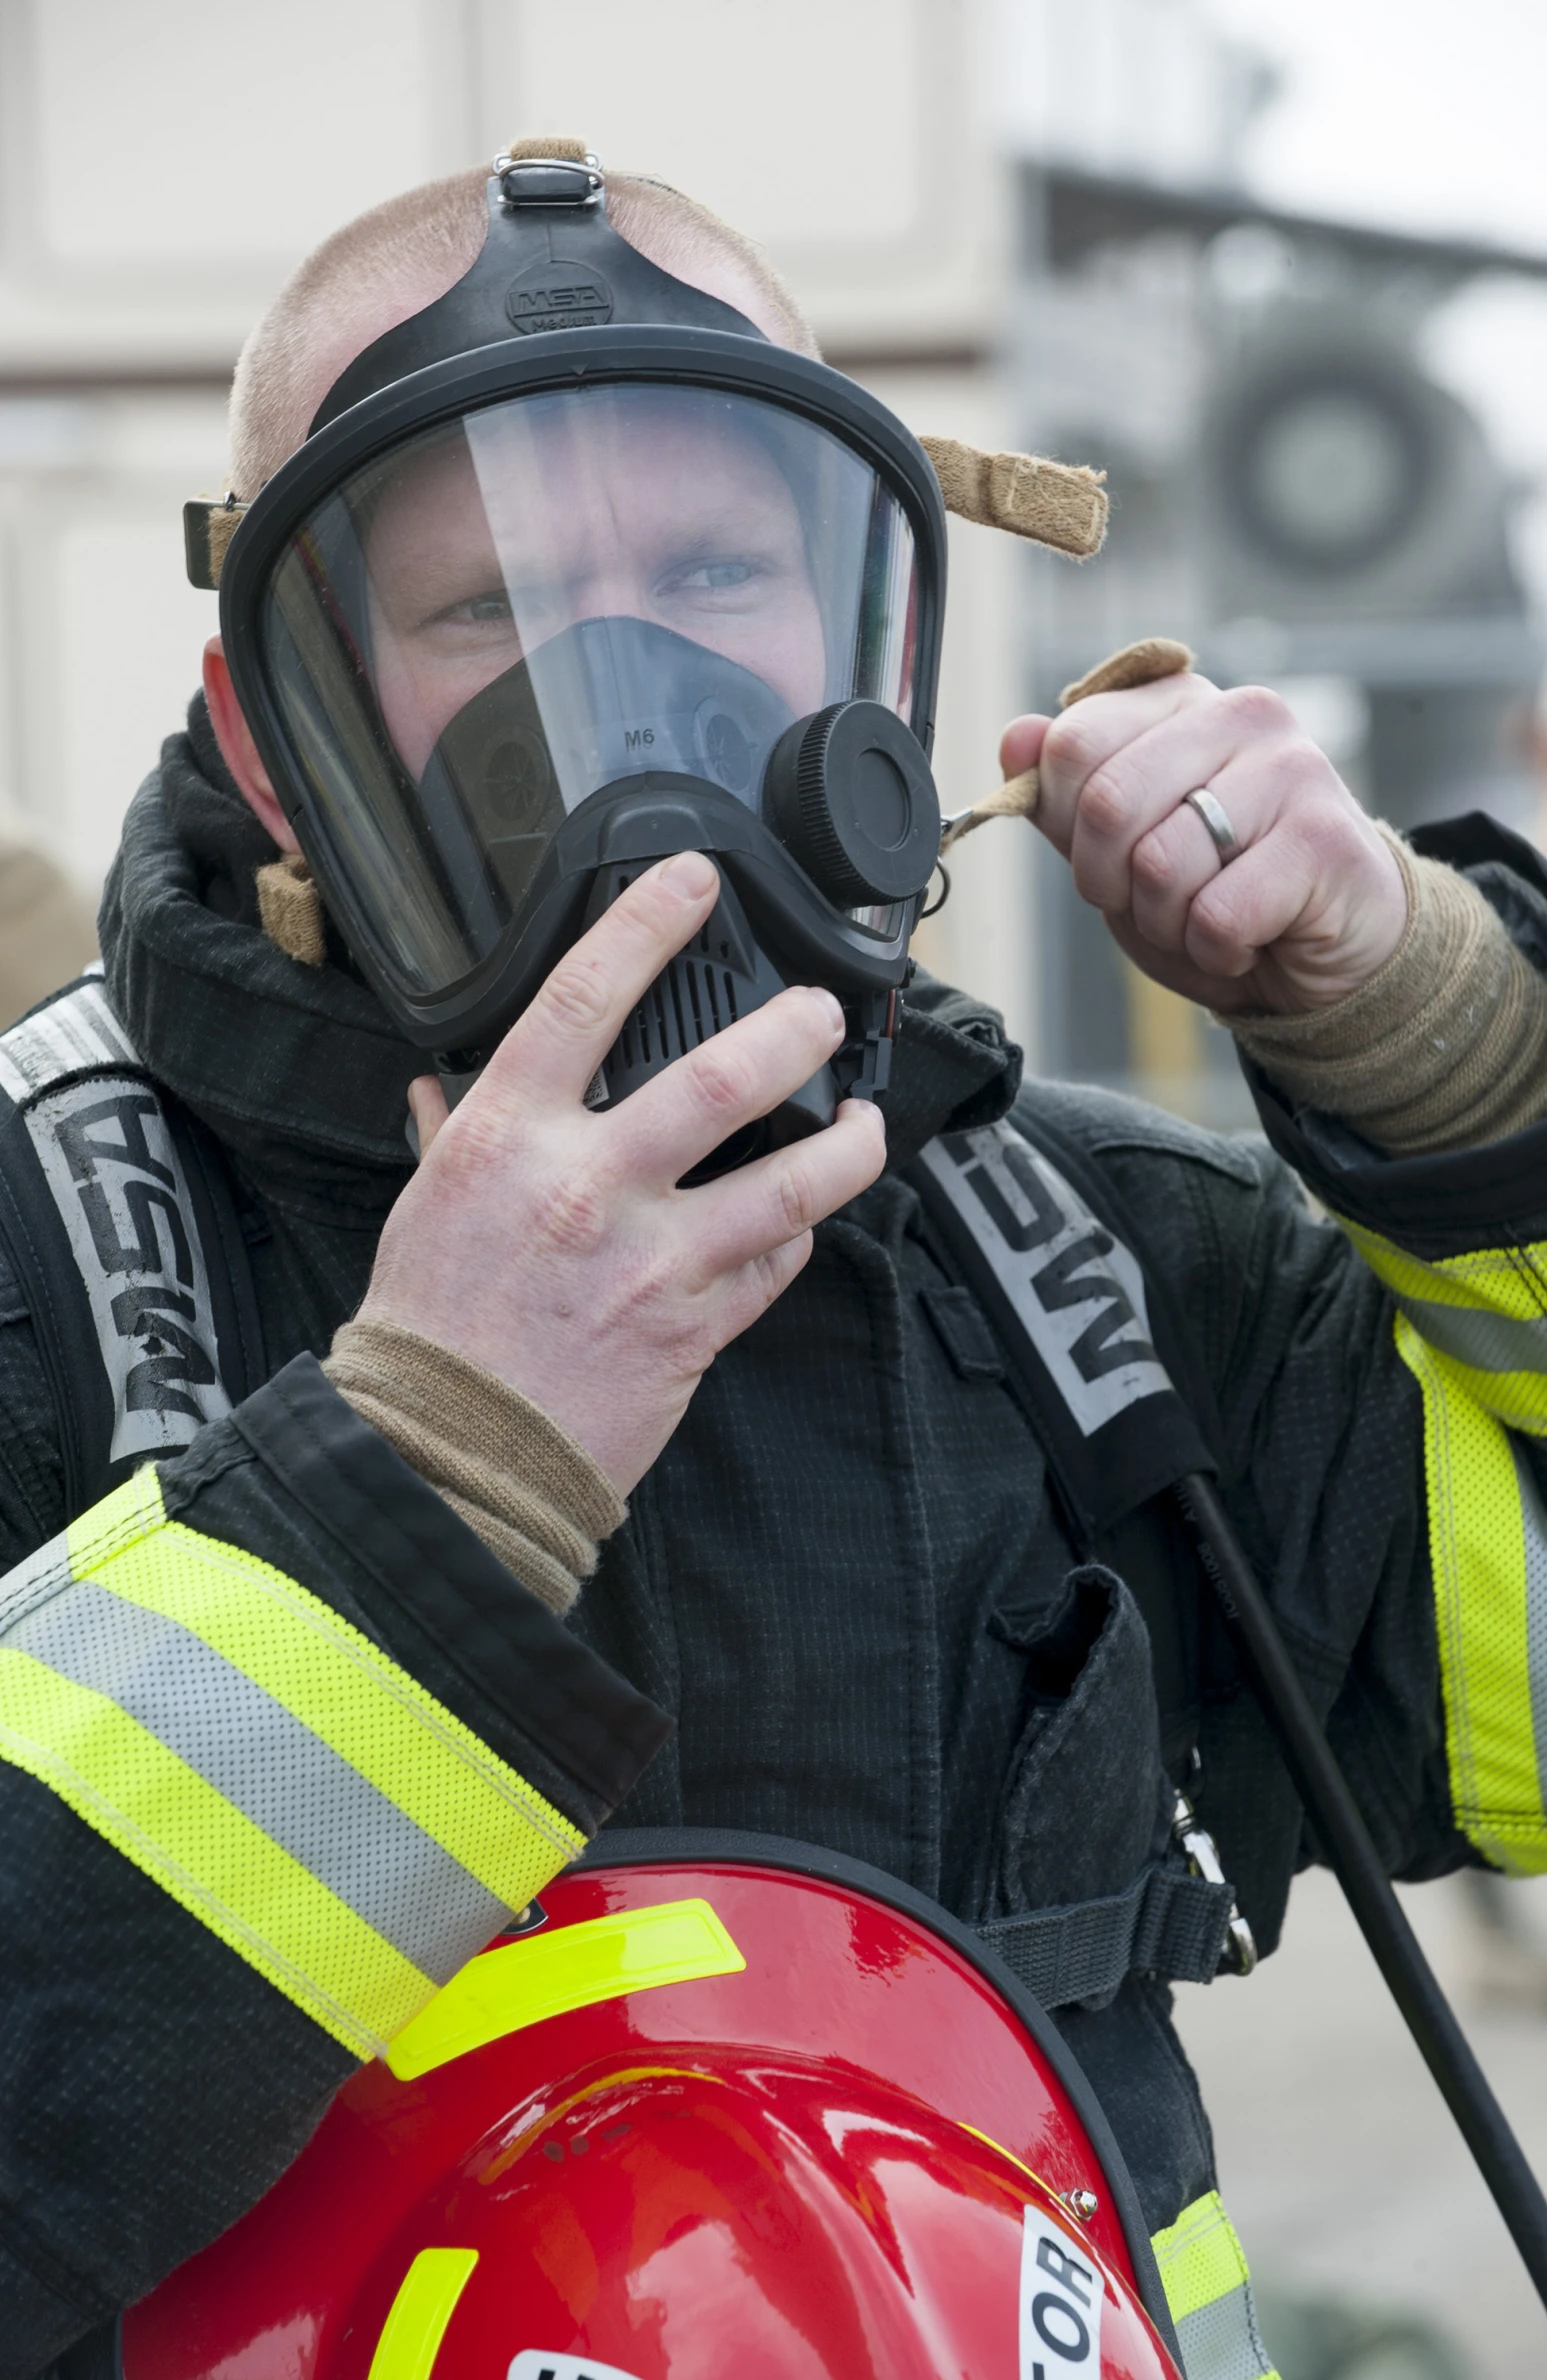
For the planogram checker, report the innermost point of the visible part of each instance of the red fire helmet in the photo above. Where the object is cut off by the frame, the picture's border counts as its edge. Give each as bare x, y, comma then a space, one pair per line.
720, 2106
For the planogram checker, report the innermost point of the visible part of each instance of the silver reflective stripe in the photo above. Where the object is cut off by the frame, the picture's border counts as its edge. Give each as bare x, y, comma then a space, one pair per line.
1221, 2341
1533, 1520
1487, 1342
77, 1032
270, 1766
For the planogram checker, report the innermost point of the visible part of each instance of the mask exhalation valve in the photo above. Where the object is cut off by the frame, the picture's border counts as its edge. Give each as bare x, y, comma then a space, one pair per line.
851, 793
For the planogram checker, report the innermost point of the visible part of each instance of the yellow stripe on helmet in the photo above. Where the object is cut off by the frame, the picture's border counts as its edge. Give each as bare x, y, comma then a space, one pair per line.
421, 2311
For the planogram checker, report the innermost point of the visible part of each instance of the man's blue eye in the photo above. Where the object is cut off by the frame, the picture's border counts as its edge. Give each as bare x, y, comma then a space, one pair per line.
714, 576
489, 607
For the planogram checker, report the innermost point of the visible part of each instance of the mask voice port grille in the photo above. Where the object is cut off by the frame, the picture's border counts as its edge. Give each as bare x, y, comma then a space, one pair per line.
722, 976
694, 997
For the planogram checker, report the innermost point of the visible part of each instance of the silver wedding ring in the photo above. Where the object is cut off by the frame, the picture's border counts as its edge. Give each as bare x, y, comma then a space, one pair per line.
1217, 820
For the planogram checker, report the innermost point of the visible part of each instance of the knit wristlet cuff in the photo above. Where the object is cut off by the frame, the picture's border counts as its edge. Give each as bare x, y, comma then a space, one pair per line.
532, 1494
1444, 1048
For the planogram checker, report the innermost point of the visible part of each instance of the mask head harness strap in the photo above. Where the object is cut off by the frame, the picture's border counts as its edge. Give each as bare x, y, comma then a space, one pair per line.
550, 261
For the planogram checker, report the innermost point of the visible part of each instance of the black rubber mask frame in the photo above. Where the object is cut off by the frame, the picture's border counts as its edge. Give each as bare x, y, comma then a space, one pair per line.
632, 324
550, 261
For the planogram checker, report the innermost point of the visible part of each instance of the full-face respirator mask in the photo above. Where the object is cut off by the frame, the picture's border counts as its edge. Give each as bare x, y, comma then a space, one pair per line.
576, 569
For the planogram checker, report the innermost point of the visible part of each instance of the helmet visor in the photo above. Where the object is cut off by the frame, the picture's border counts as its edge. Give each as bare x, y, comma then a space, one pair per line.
551, 594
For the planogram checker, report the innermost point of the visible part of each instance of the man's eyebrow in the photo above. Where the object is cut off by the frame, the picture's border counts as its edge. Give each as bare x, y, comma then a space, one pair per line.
749, 516
735, 535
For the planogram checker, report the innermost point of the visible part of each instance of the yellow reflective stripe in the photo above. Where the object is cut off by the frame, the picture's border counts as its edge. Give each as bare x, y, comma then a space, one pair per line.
1484, 1311
575, 1966
1517, 1399
210, 1858
330, 1676
1208, 2289
275, 1772
1199, 2256
1490, 1588
412, 2333
1509, 1281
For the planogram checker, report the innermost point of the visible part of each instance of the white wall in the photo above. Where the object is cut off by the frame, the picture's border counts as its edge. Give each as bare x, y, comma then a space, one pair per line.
100, 632
166, 162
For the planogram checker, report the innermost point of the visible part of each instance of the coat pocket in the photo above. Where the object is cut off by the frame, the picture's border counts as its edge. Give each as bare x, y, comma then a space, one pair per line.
1087, 1802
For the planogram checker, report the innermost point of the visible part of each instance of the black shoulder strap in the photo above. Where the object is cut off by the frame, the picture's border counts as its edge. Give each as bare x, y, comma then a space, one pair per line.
1094, 1347
1091, 1341
119, 1221
1078, 1316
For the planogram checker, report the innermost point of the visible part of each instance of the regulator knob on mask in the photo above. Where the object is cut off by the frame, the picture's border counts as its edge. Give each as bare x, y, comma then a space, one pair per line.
850, 792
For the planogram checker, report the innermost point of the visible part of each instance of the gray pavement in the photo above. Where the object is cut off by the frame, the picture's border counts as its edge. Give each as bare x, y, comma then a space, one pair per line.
1338, 2161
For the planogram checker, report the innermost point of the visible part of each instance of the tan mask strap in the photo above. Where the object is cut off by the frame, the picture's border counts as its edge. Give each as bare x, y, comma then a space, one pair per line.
290, 909
558, 145
1136, 665
1063, 505
209, 524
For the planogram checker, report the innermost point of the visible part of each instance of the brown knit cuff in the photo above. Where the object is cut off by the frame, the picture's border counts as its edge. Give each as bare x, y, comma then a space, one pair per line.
525, 1487
1444, 1048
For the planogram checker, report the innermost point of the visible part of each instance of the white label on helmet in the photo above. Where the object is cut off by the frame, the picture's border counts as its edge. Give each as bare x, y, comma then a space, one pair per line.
541, 2363
1061, 2293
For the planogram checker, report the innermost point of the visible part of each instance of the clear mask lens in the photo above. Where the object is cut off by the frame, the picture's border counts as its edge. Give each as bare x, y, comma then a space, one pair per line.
553, 594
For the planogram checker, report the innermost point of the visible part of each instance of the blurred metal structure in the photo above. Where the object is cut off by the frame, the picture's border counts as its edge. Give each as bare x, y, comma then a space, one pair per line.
1295, 496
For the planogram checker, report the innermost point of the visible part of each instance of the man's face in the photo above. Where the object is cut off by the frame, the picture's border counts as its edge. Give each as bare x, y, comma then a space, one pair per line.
624, 505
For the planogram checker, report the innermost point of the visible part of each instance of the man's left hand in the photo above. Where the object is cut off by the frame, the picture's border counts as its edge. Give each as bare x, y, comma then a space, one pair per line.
1306, 912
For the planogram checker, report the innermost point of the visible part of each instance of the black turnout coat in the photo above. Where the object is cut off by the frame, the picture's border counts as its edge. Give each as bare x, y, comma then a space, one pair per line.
845, 1581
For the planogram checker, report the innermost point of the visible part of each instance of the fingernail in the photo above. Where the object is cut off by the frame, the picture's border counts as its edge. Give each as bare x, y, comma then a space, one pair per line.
832, 1008
689, 875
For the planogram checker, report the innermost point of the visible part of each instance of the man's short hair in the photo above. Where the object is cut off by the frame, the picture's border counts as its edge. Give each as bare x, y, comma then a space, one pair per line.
398, 258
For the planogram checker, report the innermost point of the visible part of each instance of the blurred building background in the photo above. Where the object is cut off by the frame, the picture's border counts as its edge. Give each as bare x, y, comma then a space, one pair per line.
1282, 269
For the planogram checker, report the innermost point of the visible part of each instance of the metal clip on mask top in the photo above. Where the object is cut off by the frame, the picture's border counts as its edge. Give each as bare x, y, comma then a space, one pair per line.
576, 569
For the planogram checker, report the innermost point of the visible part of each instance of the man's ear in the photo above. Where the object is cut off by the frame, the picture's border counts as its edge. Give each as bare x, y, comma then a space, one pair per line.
238, 750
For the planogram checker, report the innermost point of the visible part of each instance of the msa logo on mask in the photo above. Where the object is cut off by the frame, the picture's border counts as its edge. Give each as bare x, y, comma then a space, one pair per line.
569, 297
1061, 2294
536, 2363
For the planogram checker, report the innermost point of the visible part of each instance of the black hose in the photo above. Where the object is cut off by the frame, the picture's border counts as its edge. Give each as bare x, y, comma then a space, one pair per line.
1324, 1791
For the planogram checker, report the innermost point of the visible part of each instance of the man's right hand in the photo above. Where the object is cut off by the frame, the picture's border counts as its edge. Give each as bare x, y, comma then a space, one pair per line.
552, 1244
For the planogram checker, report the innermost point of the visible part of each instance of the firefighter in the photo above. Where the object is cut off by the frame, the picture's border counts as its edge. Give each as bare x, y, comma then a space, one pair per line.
382, 1520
